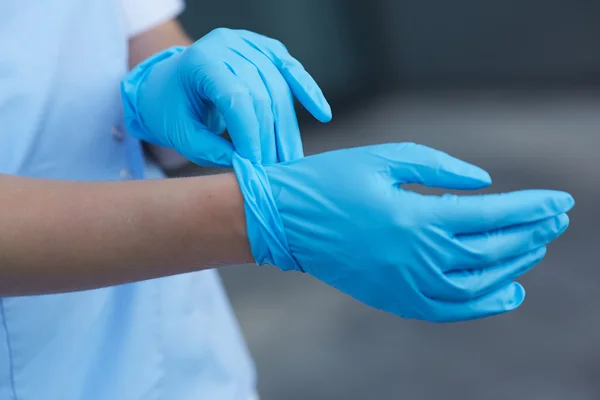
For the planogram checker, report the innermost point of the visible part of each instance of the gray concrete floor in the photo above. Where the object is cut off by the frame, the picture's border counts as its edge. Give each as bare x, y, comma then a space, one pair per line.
311, 342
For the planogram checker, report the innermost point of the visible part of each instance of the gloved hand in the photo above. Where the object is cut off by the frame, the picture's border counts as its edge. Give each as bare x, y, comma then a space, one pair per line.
343, 218
184, 98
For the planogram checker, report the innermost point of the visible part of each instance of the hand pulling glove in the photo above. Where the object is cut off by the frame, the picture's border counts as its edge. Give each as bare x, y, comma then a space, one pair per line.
184, 98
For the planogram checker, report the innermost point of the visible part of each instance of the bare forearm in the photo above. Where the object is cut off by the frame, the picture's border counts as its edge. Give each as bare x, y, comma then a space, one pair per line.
58, 236
160, 38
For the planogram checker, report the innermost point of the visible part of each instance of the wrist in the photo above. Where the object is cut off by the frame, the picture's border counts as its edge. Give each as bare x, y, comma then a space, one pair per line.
232, 214
266, 232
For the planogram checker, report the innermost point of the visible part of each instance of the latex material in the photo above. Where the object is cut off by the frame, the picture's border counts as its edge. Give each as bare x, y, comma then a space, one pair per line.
184, 98
344, 218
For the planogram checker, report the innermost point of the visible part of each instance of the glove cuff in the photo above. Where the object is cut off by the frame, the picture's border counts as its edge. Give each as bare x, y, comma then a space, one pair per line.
129, 90
266, 232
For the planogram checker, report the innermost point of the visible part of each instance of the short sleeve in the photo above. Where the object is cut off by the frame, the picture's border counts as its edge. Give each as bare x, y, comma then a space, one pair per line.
143, 15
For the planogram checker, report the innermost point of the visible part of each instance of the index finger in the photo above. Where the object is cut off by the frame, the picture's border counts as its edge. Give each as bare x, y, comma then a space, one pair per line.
483, 213
302, 84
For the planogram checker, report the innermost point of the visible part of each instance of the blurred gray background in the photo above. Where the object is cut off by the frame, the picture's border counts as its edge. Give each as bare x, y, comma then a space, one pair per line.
513, 86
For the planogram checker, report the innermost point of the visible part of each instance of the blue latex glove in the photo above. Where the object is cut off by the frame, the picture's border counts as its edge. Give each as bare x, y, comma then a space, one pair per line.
343, 218
184, 98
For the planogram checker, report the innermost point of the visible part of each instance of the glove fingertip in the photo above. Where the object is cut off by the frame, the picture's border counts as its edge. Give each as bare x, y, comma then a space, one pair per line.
516, 296
474, 177
480, 175
567, 202
325, 114
308, 92
562, 223
555, 201
319, 109
541, 253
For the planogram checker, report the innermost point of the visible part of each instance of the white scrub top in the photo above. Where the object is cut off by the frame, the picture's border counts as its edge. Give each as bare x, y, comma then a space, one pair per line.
173, 338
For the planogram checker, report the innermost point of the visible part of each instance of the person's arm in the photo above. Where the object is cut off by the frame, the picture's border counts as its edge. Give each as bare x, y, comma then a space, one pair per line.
148, 43
60, 236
